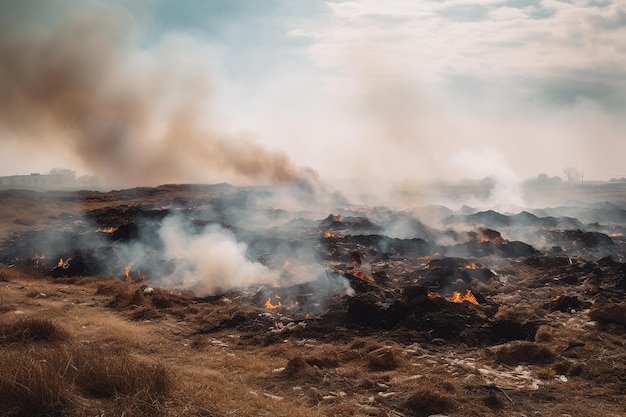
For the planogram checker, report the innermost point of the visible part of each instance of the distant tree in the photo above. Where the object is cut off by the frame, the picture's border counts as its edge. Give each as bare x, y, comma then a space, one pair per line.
572, 175
62, 171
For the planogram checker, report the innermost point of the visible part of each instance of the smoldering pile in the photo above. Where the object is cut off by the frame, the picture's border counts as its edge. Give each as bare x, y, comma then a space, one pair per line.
354, 269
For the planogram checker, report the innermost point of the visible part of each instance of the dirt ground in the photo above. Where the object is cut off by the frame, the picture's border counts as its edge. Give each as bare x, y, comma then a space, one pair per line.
227, 356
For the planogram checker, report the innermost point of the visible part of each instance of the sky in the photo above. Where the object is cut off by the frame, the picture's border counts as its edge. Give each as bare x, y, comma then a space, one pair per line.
402, 91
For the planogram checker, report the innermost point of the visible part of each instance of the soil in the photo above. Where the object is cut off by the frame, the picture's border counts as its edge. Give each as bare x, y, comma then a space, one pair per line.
361, 321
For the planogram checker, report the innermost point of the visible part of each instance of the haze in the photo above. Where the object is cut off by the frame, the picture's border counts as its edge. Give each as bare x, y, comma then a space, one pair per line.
146, 93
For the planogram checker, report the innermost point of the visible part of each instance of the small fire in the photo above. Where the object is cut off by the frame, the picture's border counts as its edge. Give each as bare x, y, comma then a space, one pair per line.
106, 229
60, 263
268, 303
471, 265
127, 272
338, 218
356, 259
37, 258
556, 298
327, 234
457, 298
362, 275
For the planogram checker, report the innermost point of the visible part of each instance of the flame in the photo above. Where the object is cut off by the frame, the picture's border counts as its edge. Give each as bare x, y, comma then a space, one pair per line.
327, 234
286, 265
127, 272
362, 275
556, 298
471, 265
140, 277
356, 259
616, 234
456, 297
106, 229
37, 258
338, 218
268, 303
307, 316
60, 263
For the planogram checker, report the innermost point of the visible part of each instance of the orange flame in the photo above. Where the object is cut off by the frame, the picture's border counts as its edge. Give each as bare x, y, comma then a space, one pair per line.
338, 218
127, 272
556, 298
356, 264
268, 303
471, 265
106, 229
362, 275
60, 263
457, 298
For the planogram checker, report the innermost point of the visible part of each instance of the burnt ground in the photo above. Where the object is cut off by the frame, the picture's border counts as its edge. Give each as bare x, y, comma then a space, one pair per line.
361, 318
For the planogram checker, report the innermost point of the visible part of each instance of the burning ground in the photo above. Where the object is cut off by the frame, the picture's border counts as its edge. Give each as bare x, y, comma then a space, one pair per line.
238, 301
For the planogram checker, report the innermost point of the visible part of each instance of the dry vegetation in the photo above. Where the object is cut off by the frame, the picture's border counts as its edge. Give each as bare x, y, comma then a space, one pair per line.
85, 347
98, 346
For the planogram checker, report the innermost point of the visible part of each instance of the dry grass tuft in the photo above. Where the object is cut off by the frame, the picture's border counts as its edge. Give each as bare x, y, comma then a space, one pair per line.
105, 373
129, 297
425, 402
31, 329
493, 401
383, 359
544, 334
519, 352
298, 369
35, 381
57, 379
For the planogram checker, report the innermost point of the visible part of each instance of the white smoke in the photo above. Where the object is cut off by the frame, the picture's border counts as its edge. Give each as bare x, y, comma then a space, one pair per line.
210, 260
488, 162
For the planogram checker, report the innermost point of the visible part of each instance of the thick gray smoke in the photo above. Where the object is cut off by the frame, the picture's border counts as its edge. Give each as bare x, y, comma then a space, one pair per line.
73, 75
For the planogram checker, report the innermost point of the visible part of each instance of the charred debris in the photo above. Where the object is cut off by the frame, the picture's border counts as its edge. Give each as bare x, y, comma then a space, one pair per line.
356, 270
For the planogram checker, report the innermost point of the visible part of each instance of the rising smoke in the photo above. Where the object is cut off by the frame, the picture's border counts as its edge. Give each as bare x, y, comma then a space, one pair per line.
75, 78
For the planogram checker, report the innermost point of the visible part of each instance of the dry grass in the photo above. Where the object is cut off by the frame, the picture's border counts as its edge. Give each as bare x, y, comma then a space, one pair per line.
522, 352
102, 346
42, 379
425, 402
31, 329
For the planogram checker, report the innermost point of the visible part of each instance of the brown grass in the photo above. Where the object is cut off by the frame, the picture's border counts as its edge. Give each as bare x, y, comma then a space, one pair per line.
515, 353
42, 379
425, 402
31, 329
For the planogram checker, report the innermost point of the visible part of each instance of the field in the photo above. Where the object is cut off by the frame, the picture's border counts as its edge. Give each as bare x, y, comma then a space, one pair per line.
82, 337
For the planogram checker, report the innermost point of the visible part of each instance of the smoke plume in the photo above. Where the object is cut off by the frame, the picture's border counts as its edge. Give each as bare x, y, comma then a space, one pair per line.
211, 260
74, 77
